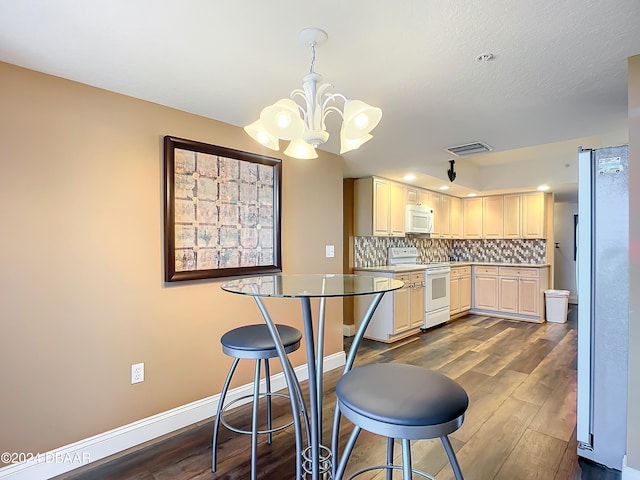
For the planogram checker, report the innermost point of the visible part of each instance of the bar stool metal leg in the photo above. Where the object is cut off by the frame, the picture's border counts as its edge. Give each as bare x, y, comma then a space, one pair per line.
254, 421
347, 452
390, 443
267, 379
216, 423
407, 471
452, 457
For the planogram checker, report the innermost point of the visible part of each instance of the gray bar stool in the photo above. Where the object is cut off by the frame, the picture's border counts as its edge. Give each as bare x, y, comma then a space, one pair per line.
253, 342
400, 401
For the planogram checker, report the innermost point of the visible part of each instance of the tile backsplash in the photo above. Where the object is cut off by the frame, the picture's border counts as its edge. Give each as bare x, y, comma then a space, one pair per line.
372, 251
520, 250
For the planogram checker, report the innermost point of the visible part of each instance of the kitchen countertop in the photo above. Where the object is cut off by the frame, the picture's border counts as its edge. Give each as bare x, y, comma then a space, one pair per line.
386, 268
500, 264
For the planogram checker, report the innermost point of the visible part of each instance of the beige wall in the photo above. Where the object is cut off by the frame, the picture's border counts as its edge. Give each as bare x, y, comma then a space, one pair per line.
564, 271
633, 419
82, 294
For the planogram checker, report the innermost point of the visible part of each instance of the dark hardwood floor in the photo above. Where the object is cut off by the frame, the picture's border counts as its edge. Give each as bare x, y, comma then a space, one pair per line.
521, 381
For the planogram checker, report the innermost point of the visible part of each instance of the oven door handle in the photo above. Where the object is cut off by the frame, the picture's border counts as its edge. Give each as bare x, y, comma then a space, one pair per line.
438, 271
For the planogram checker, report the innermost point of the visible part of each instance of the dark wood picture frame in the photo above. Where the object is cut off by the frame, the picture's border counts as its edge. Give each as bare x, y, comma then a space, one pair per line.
222, 211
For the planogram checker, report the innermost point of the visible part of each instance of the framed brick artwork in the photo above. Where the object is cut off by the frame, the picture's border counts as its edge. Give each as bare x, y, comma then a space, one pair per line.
221, 212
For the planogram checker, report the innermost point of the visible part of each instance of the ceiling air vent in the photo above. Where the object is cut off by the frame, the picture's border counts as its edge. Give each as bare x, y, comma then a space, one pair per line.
469, 149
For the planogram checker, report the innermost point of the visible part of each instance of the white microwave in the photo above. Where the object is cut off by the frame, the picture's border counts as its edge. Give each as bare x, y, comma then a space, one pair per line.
418, 219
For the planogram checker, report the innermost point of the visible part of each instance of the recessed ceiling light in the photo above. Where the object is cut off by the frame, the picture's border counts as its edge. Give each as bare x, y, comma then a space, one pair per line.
409, 177
544, 188
471, 194
445, 187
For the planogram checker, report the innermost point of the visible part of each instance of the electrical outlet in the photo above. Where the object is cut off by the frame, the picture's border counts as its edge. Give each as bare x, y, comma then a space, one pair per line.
137, 373
329, 251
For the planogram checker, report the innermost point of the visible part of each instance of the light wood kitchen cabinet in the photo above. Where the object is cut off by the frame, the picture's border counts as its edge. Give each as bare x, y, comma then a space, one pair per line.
485, 288
379, 207
396, 209
444, 215
465, 291
508, 296
400, 313
418, 196
530, 297
417, 299
454, 294
534, 215
492, 217
402, 305
512, 216
408, 312
455, 217
472, 218
460, 291
520, 291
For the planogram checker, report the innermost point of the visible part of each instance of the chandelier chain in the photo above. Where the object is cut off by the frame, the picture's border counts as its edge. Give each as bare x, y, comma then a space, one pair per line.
313, 56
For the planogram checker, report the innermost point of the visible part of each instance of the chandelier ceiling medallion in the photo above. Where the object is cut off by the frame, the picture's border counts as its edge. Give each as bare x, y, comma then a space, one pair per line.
300, 119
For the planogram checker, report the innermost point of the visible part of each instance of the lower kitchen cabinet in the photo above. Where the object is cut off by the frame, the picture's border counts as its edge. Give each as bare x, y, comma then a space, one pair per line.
508, 295
518, 292
416, 310
485, 288
400, 313
460, 291
402, 305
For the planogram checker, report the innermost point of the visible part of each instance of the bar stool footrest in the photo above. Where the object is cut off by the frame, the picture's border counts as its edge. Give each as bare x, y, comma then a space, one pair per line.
389, 467
248, 432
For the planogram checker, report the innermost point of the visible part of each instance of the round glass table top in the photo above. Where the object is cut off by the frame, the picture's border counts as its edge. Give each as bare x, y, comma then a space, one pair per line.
311, 285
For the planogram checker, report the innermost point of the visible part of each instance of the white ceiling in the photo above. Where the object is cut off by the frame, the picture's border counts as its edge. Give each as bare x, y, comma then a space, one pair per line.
559, 77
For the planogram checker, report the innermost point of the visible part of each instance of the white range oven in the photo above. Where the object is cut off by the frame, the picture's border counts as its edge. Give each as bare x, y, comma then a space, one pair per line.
437, 283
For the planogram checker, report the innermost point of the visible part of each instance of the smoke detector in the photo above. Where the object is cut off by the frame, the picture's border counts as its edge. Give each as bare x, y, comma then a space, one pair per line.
469, 149
485, 57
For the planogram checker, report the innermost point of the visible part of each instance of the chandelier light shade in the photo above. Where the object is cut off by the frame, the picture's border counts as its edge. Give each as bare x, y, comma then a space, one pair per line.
300, 119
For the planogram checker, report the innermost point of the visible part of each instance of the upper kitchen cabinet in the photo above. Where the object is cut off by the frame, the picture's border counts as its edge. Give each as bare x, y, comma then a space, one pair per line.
521, 215
472, 218
492, 217
534, 215
443, 216
513, 216
418, 196
455, 217
379, 207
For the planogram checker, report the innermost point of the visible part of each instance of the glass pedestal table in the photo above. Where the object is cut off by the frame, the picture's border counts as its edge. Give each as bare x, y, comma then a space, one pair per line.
314, 460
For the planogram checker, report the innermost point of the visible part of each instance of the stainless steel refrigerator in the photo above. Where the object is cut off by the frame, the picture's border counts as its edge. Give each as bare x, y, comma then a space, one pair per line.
603, 304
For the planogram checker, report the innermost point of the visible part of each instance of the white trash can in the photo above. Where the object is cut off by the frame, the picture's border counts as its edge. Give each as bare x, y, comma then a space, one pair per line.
557, 302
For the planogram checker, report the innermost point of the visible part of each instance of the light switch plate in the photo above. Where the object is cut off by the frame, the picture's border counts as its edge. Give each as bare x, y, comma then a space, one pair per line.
330, 251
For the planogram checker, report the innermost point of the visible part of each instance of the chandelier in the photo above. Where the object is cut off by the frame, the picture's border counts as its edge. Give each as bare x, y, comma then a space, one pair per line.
300, 119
